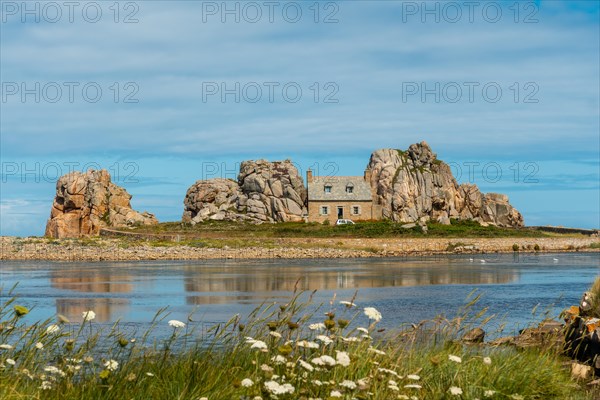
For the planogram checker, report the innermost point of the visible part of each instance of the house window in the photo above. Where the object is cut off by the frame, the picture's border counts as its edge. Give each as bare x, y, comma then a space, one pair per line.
324, 210
356, 210
327, 189
349, 189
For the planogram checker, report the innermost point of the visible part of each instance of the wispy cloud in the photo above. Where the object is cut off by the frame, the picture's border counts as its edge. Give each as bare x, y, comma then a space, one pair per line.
369, 55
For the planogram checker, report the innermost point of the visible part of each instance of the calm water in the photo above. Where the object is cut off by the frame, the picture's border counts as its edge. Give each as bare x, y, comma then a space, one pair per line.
403, 289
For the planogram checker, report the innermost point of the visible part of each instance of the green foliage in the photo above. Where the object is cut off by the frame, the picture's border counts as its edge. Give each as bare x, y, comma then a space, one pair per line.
361, 229
595, 294
515, 247
237, 359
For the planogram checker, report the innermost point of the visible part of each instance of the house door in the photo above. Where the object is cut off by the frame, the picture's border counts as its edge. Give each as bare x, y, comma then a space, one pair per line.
340, 212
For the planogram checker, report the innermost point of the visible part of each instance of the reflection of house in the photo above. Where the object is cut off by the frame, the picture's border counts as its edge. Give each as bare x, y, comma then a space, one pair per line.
340, 197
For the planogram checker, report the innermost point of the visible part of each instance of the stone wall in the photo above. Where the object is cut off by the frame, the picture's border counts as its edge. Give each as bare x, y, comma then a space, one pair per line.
314, 211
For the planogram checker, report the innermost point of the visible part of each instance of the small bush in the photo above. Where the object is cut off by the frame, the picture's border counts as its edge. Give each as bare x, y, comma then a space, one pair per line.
536, 247
515, 247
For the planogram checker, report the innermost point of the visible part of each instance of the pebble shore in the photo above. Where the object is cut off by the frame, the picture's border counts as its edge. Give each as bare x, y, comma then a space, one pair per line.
109, 249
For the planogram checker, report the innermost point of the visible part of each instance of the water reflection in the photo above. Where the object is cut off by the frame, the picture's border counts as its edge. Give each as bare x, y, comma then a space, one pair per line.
428, 286
92, 283
220, 285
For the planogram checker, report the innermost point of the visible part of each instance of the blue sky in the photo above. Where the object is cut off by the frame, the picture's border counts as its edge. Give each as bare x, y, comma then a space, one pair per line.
388, 74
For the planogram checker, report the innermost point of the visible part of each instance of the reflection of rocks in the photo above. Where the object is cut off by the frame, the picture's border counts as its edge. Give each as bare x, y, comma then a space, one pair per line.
221, 285
106, 309
85, 281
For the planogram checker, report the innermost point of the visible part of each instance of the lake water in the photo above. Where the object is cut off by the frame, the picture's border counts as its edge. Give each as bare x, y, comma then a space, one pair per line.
405, 290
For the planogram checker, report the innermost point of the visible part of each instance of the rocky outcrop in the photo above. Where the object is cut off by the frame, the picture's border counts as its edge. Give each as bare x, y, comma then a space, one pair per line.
264, 192
414, 186
86, 202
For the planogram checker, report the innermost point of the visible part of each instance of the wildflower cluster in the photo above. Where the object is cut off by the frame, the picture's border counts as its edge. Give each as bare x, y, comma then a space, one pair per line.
279, 352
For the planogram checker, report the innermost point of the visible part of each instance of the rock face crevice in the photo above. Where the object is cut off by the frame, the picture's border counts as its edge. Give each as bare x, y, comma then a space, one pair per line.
414, 186
264, 192
86, 202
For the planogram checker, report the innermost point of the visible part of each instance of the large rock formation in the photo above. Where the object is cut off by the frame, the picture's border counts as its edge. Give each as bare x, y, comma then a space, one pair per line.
414, 186
264, 192
86, 202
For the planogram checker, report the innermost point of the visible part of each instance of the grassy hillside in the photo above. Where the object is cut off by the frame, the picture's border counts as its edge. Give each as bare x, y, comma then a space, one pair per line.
371, 229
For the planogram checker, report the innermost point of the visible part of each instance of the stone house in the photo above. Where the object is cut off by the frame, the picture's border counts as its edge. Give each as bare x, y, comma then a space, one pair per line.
340, 197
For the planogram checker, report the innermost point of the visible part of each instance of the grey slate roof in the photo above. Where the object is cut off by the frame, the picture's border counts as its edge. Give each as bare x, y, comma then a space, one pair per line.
361, 191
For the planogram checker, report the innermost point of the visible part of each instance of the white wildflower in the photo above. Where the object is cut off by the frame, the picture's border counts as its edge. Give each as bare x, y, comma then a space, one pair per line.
6, 346
53, 370
317, 327
306, 365
456, 391
516, 397
277, 389
348, 384
487, 361
259, 344
455, 359
266, 368
351, 339
393, 386
376, 351
52, 329
149, 374
307, 344
88, 315
372, 313
176, 324
324, 339
413, 377
10, 361
39, 345
335, 393
412, 386
363, 330
111, 365
317, 382
275, 334
46, 385
348, 304
389, 371
489, 393
278, 359
73, 368
324, 360
342, 358
247, 382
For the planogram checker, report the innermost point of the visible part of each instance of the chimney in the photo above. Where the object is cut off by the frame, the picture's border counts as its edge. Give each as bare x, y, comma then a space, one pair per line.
368, 175
309, 176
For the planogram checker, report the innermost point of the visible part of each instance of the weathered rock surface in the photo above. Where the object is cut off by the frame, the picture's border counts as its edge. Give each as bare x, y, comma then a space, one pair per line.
413, 186
86, 202
265, 192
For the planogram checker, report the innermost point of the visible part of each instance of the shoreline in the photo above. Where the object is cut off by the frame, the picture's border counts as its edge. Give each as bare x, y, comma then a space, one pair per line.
111, 249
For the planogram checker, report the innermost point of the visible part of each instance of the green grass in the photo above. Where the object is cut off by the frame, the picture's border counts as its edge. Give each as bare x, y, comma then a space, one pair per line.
79, 362
370, 229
